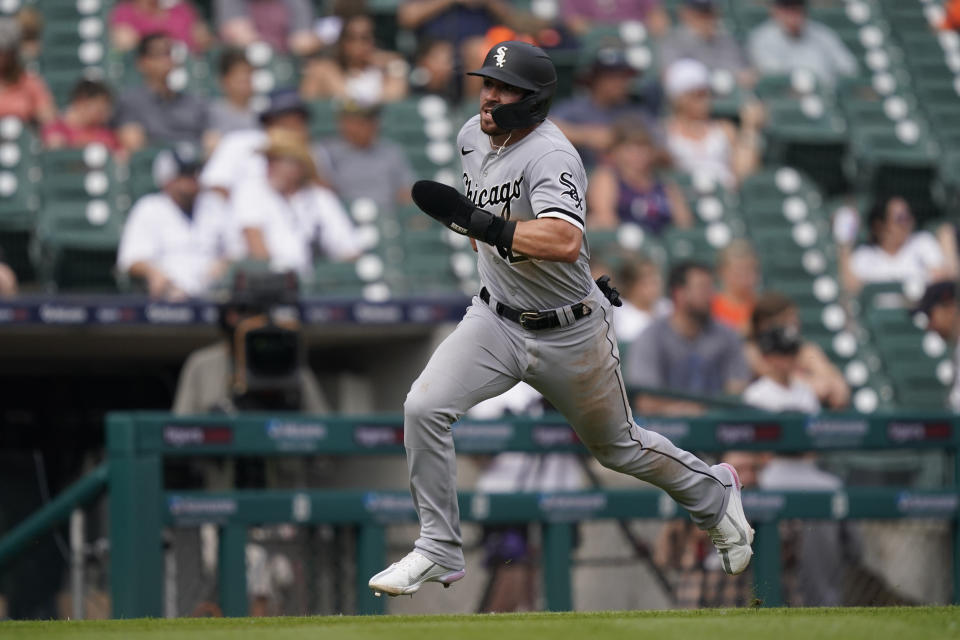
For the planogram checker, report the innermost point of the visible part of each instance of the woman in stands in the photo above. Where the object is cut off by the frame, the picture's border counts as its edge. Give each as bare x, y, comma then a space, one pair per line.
23, 94
131, 20
628, 190
699, 144
814, 368
358, 70
895, 251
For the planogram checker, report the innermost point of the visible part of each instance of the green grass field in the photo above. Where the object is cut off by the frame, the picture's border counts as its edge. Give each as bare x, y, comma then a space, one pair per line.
735, 624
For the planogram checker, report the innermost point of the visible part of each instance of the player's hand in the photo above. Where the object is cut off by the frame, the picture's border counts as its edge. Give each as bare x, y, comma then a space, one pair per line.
456, 212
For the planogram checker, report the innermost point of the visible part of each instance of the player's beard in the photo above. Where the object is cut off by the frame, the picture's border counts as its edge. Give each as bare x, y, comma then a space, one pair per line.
491, 128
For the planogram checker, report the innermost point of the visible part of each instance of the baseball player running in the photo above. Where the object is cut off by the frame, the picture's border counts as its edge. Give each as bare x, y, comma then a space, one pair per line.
539, 318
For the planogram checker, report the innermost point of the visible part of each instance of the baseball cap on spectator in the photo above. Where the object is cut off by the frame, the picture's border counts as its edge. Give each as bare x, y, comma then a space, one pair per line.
937, 293
287, 144
704, 6
790, 3
282, 102
684, 76
9, 34
779, 340
356, 108
184, 160
611, 58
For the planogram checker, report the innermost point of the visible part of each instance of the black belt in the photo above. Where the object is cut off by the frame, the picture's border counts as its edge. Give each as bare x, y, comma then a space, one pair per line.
536, 320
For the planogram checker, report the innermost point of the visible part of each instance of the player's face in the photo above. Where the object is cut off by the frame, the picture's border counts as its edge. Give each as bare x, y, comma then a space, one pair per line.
492, 94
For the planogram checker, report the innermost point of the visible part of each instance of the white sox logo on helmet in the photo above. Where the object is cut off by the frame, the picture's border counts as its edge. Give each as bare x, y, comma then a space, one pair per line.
501, 56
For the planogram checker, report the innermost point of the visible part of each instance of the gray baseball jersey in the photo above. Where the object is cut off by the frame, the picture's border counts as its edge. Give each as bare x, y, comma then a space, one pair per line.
576, 367
541, 176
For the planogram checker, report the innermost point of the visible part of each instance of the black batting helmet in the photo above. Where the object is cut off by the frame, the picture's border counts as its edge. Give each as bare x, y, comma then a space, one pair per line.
527, 67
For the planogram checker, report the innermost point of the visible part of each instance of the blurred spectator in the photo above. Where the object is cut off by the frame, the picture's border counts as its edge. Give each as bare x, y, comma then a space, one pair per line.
686, 551
177, 240
951, 16
132, 20
8, 279
464, 23
358, 70
288, 216
938, 308
154, 113
817, 546
23, 94
359, 153
628, 190
781, 388
701, 36
85, 120
699, 144
434, 70
582, 16
774, 310
587, 120
686, 351
641, 286
456, 21
285, 25
739, 273
31, 34
233, 112
790, 40
237, 159
895, 251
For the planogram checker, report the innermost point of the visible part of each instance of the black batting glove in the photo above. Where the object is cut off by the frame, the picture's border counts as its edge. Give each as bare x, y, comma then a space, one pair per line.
456, 212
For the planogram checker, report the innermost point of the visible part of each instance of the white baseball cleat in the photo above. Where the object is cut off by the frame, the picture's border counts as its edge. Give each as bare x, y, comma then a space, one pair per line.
406, 576
733, 535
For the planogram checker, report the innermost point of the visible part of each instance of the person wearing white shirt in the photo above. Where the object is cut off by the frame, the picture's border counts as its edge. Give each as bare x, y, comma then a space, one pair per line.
643, 300
287, 216
780, 390
236, 159
179, 239
820, 543
895, 251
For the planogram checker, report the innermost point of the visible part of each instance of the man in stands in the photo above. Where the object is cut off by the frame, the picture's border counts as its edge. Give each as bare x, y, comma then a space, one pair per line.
587, 120
701, 36
790, 40
155, 113
686, 351
177, 240
85, 119
359, 153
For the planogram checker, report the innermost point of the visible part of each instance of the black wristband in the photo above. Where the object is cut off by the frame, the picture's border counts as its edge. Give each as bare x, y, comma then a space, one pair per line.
499, 232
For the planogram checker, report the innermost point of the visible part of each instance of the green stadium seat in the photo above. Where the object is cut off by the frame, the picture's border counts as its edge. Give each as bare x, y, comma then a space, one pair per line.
75, 245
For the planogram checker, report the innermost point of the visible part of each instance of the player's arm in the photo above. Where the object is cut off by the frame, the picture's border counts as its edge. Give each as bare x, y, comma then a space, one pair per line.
548, 239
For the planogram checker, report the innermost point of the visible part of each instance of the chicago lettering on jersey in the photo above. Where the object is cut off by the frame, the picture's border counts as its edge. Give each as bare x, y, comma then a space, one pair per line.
498, 194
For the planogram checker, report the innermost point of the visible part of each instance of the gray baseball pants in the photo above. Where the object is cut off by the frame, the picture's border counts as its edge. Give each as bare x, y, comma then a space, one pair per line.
577, 369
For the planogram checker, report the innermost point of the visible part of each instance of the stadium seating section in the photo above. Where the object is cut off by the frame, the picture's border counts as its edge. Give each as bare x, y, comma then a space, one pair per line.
892, 129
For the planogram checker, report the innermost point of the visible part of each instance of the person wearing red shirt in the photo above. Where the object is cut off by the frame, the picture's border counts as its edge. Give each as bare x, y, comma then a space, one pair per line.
85, 119
131, 20
23, 95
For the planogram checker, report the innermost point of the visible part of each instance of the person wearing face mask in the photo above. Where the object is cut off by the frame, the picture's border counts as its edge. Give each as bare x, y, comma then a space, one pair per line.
628, 189
773, 310
895, 251
686, 351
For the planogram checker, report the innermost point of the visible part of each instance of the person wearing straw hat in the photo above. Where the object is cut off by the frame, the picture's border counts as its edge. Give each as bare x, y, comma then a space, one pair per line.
287, 218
